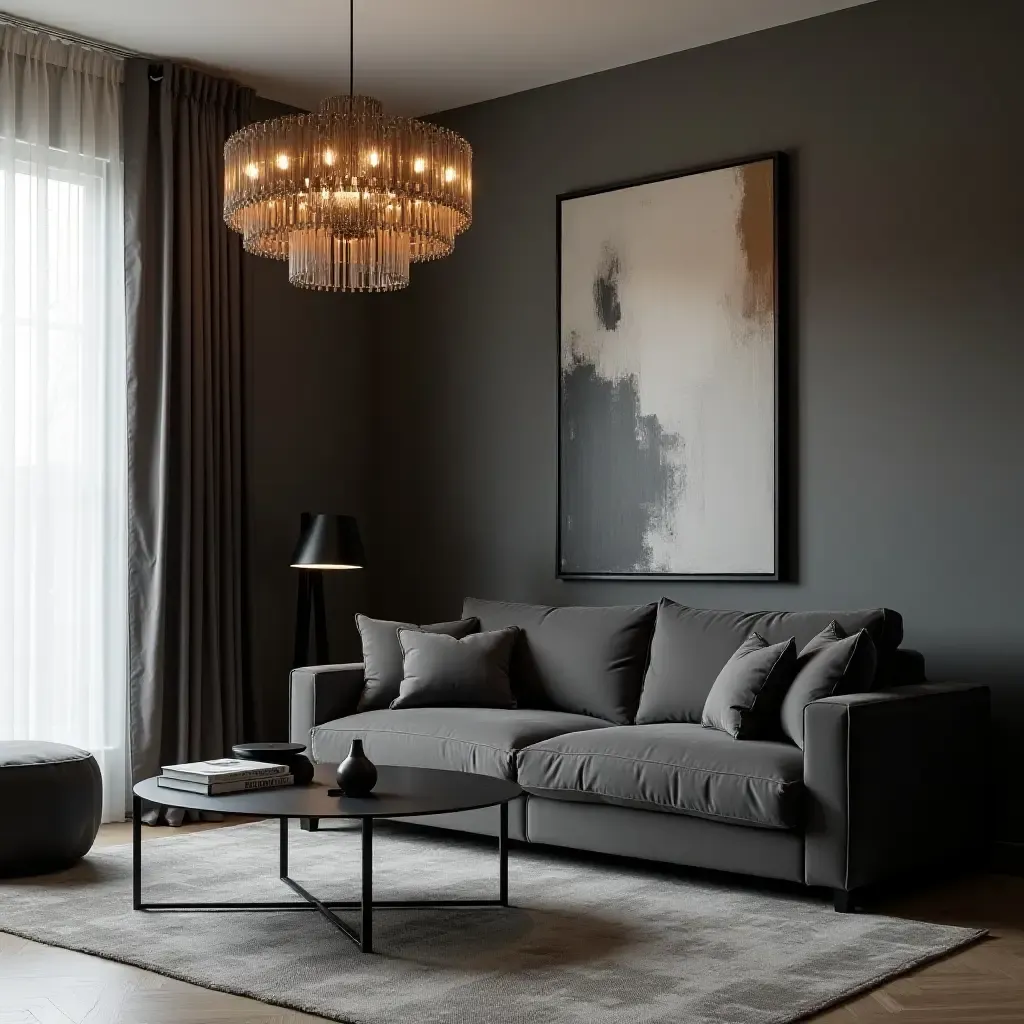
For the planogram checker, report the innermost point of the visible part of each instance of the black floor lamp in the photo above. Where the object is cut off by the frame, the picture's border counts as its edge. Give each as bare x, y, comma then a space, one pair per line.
326, 542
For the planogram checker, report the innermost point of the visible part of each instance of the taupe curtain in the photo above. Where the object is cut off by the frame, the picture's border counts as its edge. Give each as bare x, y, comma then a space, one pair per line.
186, 477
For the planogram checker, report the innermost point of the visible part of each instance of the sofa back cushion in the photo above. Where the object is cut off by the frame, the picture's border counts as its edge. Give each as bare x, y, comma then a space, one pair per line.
691, 645
586, 661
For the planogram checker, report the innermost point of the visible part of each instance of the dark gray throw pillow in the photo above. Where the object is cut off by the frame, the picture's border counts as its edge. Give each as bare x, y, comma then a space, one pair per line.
745, 698
442, 671
831, 664
382, 655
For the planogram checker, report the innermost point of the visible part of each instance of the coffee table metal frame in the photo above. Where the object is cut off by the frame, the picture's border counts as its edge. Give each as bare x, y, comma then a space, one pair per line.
366, 904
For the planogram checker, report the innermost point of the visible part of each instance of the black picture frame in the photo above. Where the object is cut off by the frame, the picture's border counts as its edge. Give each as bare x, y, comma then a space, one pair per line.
781, 253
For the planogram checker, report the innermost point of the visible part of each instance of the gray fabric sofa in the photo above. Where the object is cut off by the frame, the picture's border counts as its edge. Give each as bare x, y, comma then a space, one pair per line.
608, 747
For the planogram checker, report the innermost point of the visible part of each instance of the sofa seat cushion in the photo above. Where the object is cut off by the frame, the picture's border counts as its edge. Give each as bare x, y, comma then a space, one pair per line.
677, 768
480, 740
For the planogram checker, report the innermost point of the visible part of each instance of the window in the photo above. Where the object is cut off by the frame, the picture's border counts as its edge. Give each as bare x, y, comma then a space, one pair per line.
63, 489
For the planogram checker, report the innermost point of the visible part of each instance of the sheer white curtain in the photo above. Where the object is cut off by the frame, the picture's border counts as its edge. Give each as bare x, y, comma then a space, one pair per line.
63, 589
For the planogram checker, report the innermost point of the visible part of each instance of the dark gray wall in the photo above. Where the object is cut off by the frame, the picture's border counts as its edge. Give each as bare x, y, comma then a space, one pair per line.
307, 450
903, 120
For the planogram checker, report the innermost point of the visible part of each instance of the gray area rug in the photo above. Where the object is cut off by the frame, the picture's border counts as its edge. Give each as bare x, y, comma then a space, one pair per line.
585, 943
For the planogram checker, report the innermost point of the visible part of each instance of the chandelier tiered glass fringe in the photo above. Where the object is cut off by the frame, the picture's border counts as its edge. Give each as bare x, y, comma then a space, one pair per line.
348, 196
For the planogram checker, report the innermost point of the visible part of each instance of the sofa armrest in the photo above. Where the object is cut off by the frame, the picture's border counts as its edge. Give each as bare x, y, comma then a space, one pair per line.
896, 780
321, 693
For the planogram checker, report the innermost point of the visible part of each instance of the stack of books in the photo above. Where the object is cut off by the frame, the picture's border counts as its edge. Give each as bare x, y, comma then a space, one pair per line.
224, 775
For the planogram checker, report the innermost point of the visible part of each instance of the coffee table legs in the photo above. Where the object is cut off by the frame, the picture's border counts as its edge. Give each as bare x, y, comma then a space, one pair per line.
365, 905
503, 857
283, 862
366, 897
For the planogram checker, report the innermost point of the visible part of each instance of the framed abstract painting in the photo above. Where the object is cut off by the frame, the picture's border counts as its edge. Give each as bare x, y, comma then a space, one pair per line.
669, 339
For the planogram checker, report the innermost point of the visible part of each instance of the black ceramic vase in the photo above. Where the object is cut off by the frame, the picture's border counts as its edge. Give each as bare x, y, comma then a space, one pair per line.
357, 774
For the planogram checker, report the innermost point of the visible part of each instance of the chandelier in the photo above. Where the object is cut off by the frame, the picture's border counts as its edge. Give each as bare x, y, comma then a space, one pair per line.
348, 196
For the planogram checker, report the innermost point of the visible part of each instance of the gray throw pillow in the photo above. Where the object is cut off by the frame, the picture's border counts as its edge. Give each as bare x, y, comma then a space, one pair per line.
746, 697
382, 655
831, 664
442, 671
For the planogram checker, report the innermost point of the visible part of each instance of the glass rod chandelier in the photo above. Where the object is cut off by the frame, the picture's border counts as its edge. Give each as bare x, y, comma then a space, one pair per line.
348, 196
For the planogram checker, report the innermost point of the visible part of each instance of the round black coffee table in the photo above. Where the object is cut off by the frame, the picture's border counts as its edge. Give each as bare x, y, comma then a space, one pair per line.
399, 793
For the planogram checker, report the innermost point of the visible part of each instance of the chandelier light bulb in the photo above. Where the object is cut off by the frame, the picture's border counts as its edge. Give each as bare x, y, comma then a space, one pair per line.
449, 174
252, 171
329, 157
282, 161
419, 165
374, 158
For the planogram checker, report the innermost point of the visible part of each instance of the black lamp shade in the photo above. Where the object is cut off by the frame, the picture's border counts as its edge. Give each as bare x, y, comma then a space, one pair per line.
328, 542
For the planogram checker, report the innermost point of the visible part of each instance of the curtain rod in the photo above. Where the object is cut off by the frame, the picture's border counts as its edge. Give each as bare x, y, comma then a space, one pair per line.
71, 37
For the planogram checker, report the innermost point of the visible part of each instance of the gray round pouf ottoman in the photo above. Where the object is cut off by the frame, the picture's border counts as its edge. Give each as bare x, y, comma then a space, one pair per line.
51, 797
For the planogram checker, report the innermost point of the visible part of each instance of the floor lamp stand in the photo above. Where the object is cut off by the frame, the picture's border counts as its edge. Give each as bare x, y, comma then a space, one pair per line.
311, 612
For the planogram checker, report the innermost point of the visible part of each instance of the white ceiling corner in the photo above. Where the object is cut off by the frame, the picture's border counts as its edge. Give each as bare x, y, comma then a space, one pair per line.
418, 56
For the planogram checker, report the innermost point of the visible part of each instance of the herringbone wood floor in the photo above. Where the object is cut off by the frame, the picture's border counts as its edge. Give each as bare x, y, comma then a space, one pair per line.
43, 985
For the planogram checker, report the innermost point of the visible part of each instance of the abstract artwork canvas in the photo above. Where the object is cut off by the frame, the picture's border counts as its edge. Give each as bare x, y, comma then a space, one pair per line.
668, 365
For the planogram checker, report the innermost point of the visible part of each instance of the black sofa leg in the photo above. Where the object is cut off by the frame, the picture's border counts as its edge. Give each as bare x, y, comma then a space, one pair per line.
843, 901
309, 824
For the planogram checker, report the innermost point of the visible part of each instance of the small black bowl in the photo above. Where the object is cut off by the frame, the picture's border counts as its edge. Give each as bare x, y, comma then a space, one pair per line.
290, 754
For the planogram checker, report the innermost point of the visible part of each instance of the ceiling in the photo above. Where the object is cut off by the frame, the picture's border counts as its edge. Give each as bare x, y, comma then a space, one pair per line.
418, 56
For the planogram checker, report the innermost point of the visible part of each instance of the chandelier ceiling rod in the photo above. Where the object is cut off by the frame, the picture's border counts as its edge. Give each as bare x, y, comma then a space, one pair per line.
351, 47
